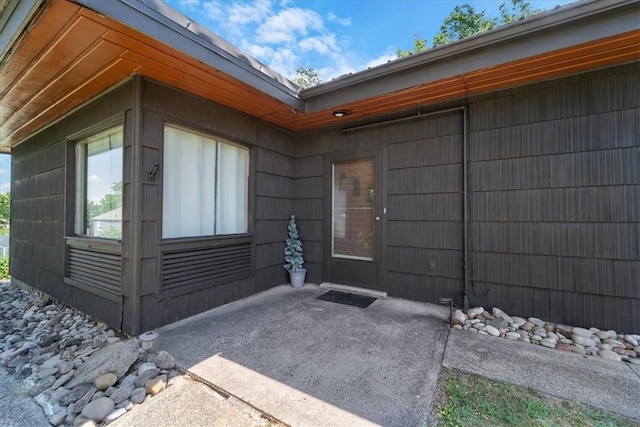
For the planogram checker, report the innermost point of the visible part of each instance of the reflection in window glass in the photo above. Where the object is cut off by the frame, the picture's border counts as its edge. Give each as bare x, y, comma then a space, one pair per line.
99, 185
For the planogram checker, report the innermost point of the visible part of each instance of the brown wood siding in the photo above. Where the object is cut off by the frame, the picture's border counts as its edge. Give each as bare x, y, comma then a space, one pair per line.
308, 208
272, 192
425, 239
555, 199
424, 202
40, 187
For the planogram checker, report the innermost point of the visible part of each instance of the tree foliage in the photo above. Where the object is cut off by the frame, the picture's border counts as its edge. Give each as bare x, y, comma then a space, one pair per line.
306, 77
419, 44
4, 268
465, 21
516, 10
5, 205
108, 203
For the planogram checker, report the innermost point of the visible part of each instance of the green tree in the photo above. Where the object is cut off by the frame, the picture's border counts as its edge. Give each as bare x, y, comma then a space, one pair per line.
109, 202
463, 22
306, 77
112, 233
5, 205
419, 45
4, 268
516, 10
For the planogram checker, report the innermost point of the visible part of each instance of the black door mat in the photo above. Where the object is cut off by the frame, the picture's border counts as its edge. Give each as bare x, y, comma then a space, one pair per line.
347, 298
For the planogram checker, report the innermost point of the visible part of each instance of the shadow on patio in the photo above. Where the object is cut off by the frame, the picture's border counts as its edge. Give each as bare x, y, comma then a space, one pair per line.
310, 362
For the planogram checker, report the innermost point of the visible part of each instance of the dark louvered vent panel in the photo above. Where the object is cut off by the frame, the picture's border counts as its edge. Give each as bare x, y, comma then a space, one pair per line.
187, 269
99, 270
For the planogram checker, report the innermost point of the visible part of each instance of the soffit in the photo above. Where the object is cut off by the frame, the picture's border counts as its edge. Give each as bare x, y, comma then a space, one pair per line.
72, 54
582, 57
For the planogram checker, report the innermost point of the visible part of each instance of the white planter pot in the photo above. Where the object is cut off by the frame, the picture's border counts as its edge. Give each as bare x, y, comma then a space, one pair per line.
297, 277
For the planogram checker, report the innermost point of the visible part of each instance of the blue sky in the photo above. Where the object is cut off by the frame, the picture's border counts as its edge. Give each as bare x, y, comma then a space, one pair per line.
335, 37
5, 173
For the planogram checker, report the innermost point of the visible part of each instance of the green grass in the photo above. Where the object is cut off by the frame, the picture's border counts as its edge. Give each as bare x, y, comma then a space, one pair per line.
470, 400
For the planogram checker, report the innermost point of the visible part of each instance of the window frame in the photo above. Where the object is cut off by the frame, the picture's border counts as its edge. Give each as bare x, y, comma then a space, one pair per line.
72, 187
167, 243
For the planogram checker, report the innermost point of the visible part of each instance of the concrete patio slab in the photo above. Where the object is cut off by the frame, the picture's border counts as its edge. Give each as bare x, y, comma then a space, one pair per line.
310, 362
17, 408
605, 384
191, 403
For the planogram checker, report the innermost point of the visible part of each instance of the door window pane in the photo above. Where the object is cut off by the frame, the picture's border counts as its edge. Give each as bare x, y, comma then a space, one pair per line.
352, 210
205, 185
99, 185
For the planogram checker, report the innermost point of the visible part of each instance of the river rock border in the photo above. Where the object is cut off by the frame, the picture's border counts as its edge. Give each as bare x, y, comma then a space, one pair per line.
78, 370
593, 341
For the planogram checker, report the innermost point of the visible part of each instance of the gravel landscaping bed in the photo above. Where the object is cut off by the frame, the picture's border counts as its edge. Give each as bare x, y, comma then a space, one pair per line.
81, 372
593, 341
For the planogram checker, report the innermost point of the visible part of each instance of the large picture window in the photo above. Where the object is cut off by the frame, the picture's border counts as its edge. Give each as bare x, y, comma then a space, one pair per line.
99, 185
205, 185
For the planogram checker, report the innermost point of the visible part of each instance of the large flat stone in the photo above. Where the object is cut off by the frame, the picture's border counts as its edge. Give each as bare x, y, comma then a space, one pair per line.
116, 359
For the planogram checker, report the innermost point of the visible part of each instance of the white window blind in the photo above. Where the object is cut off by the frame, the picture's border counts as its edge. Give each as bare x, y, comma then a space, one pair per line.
205, 185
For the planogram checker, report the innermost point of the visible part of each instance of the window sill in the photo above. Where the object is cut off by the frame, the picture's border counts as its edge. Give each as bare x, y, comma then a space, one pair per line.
183, 243
95, 243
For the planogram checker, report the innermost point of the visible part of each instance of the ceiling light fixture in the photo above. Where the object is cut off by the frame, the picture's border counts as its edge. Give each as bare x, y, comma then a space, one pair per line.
341, 113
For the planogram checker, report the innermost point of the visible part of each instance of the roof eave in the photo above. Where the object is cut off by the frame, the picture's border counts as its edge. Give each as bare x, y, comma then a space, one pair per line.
13, 21
152, 18
546, 32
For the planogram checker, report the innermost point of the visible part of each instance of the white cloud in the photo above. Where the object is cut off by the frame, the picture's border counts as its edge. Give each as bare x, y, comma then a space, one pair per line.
193, 5
382, 59
285, 61
94, 178
242, 14
5, 188
259, 51
287, 25
320, 44
332, 17
213, 11
285, 35
340, 66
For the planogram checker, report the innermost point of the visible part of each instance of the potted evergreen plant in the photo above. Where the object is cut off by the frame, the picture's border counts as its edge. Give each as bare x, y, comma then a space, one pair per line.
293, 256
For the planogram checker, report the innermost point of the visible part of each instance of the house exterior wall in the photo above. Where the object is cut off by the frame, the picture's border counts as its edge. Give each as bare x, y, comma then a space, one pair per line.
554, 203
43, 205
271, 198
555, 199
554, 193
42, 193
423, 242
